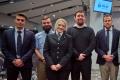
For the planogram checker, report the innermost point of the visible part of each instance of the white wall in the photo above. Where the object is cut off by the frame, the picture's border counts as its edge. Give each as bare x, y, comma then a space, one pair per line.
116, 19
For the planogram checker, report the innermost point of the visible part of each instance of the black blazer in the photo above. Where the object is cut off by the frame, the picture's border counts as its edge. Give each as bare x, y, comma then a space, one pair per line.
9, 49
101, 46
58, 51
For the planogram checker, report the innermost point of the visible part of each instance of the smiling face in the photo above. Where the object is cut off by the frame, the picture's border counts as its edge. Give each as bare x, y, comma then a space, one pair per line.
79, 18
47, 23
61, 26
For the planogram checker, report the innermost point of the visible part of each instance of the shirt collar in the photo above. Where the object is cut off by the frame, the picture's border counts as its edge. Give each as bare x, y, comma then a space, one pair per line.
76, 25
58, 32
111, 28
22, 30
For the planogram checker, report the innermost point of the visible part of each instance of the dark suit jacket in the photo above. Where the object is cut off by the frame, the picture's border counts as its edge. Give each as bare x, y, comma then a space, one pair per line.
101, 46
58, 51
9, 49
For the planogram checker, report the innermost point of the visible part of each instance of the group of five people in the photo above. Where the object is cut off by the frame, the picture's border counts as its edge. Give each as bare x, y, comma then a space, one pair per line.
62, 50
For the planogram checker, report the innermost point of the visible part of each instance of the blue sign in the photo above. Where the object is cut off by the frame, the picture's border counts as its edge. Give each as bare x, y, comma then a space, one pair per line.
103, 6
108, 0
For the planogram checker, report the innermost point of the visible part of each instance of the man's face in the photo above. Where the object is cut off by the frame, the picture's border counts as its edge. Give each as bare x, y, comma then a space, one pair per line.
46, 23
107, 22
80, 18
20, 22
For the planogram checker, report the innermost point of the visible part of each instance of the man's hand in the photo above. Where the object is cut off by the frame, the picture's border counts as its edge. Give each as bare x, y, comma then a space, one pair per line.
43, 60
81, 56
18, 62
14, 62
53, 67
58, 66
108, 58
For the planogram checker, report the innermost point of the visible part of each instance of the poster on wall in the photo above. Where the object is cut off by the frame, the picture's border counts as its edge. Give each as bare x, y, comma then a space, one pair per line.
104, 6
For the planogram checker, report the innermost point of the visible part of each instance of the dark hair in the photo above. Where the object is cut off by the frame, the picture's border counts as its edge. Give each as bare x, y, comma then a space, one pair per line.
80, 11
23, 15
107, 15
45, 17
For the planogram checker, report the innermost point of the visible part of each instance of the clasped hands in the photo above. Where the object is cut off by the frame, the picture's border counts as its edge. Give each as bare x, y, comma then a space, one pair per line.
108, 57
56, 67
18, 62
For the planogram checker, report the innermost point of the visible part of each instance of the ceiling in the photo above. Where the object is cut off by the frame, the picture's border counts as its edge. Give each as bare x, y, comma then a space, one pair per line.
35, 9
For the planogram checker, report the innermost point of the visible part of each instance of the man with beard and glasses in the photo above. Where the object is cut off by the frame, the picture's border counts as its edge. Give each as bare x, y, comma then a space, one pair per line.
40, 40
83, 44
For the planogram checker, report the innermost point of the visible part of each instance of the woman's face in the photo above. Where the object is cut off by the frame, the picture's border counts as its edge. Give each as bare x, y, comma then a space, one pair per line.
61, 26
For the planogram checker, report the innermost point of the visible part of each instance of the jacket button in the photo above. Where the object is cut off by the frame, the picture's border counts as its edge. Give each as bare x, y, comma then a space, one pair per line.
57, 57
57, 52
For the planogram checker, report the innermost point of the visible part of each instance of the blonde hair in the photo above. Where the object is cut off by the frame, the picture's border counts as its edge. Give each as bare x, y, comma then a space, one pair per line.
63, 20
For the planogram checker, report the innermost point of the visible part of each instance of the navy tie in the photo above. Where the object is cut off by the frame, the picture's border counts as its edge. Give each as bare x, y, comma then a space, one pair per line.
19, 44
107, 39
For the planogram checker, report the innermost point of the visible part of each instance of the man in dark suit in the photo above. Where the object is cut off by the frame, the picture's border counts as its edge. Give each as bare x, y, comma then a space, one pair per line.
18, 47
107, 41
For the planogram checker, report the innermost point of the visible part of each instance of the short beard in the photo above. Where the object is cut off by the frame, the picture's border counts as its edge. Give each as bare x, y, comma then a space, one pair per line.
47, 29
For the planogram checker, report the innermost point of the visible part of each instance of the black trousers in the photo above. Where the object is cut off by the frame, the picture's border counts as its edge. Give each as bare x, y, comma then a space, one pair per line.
12, 73
57, 75
81, 67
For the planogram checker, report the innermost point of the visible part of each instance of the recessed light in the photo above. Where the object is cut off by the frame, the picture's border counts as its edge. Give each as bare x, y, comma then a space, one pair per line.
33, 3
54, 15
51, 5
11, 1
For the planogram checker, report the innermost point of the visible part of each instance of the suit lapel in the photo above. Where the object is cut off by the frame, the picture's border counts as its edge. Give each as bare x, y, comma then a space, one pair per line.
12, 37
24, 37
55, 36
114, 37
104, 36
62, 37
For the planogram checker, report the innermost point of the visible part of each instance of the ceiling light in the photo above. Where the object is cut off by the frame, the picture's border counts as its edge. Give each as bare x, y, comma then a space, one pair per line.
59, 11
54, 15
11, 1
51, 5
33, 3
